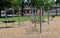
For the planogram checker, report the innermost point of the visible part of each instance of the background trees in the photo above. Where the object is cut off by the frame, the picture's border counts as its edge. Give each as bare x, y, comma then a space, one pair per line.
9, 3
45, 3
18, 3
4, 4
58, 2
42, 3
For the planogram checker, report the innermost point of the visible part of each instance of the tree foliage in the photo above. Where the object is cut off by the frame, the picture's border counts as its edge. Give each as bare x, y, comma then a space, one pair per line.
16, 3
5, 4
44, 3
57, 1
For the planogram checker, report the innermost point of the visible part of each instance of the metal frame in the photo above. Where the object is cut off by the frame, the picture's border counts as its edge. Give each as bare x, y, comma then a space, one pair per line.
6, 18
19, 16
32, 16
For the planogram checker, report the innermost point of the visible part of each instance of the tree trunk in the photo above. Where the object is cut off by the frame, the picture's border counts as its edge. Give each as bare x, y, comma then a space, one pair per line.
22, 10
0, 13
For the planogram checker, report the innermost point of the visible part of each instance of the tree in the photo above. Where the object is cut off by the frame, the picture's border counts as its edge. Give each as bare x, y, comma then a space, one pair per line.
45, 3
4, 4
57, 1
16, 3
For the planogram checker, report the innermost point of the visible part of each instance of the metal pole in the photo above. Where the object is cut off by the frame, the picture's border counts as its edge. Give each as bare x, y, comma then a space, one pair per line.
56, 8
43, 13
13, 17
32, 13
41, 20
35, 16
48, 15
19, 16
6, 17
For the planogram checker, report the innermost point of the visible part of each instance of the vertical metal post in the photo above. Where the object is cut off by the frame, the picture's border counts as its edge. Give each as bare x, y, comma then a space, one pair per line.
56, 8
41, 20
6, 17
48, 15
35, 16
43, 13
13, 17
19, 16
31, 13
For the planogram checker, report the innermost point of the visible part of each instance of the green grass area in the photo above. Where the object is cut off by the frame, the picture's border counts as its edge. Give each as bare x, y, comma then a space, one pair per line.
22, 18
16, 18
58, 16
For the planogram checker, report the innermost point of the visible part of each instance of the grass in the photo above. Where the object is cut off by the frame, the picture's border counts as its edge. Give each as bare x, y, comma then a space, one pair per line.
22, 18
58, 16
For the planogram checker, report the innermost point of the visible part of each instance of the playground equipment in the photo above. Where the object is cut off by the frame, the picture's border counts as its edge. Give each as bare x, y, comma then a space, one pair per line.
41, 17
33, 19
12, 20
9, 21
19, 16
33, 13
48, 16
